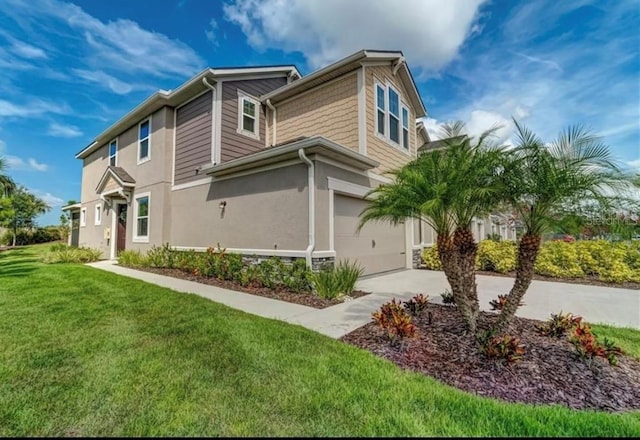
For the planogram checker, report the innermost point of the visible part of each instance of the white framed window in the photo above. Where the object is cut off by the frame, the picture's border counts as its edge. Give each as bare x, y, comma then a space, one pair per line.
113, 153
144, 141
405, 127
381, 109
141, 217
83, 217
97, 219
248, 115
392, 116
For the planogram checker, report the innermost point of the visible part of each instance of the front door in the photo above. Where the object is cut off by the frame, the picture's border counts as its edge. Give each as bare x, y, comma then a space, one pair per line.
121, 234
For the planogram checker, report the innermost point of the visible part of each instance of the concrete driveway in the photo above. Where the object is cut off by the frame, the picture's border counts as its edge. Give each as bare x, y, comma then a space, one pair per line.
620, 307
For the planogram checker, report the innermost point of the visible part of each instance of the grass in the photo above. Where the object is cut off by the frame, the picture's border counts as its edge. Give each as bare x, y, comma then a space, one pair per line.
86, 352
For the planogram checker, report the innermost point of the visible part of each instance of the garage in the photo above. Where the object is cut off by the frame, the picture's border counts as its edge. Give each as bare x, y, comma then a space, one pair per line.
379, 247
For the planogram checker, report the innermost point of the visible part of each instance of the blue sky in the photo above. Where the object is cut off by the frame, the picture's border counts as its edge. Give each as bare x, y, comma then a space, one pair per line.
69, 70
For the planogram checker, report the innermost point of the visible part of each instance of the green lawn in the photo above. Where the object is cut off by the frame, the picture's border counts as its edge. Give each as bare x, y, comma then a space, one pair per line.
85, 352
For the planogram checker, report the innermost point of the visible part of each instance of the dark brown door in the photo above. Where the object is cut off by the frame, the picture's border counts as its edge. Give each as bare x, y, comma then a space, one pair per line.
122, 228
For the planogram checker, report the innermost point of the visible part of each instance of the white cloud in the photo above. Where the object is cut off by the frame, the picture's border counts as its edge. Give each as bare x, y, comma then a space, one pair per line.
634, 164
49, 198
121, 44
429, 32
35, 107
65, 131
105, 80
477, 122
28, 51
210, 32
30, 164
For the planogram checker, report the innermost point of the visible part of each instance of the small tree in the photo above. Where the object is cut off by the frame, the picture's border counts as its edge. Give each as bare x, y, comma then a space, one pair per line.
23, 208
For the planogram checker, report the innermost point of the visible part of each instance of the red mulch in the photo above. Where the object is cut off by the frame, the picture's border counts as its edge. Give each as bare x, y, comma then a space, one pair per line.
588, 280
548, 373
302, 298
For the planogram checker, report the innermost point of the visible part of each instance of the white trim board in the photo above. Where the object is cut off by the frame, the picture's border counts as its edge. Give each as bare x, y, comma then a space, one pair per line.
347, 188
261, 252
204, 181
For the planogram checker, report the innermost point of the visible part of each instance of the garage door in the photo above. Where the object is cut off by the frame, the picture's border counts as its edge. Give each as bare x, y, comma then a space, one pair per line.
379, 247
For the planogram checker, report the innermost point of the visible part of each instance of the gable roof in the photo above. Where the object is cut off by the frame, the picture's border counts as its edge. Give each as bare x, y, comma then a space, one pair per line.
119, 175
175, 97
348, 64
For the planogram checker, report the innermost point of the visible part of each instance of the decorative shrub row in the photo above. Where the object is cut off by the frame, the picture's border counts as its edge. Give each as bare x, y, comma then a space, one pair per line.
610, 262
24, 237
272, 273
60, 253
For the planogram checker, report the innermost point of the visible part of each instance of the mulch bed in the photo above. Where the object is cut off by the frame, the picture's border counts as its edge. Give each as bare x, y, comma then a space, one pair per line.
548, 373
305, 299
588, 280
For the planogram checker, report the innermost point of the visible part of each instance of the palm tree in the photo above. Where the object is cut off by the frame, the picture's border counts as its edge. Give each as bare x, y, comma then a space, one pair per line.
446, 189
541, 180
7, 185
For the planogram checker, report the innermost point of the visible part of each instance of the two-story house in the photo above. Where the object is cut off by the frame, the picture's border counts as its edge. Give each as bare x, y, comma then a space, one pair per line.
262, 161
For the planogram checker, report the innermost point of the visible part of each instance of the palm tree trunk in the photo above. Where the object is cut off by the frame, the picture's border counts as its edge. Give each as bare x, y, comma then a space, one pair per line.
527, 254
451, 266
466, 250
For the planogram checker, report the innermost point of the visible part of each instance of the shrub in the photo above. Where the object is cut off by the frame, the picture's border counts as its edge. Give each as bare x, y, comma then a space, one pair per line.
161, 256
395, 321
502, 349
33, 236
58, 247
587, 346
72, 255
558, 259
417, 304
498, 304
271, 272
559, 324
132, 259
447, 298
430, 258
340, 280
298, 276
186, 260
497, 256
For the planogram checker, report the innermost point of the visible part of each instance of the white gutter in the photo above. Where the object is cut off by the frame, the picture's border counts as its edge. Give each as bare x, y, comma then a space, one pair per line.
312, 211
273, 120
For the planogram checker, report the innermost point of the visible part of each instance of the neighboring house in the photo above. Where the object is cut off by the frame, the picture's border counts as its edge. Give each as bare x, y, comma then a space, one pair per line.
262, 161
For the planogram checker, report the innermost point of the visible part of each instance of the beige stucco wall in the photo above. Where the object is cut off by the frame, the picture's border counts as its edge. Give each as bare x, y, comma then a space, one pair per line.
389, 156
266, 210
330, 110
152, 176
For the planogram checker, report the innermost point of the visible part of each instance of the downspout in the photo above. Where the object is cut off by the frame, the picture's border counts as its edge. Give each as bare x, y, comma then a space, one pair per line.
312, 211
213, 115
273, 120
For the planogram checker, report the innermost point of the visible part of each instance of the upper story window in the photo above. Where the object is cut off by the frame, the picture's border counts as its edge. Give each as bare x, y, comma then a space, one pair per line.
113, 153
405, 127
248, 116
392, 116
144, 141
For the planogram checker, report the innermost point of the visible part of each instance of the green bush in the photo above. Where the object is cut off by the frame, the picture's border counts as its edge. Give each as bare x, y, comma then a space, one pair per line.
72, 255
33, 236
161, 256
497, 256
58, 247
336, 281
430, 258
132, 259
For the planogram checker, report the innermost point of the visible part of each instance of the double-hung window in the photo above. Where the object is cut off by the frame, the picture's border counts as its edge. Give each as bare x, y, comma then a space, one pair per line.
142, 218
113, 153
381, 110
97, 220
248, 116
392, 116
144, 141
405, 128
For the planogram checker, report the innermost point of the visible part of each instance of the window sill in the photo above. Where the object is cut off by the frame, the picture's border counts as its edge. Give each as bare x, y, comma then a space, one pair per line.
145, 160
248, 134
393, 144
140, 239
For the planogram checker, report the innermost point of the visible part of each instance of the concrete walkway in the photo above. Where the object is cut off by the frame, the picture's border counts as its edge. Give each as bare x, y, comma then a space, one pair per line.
620, 307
